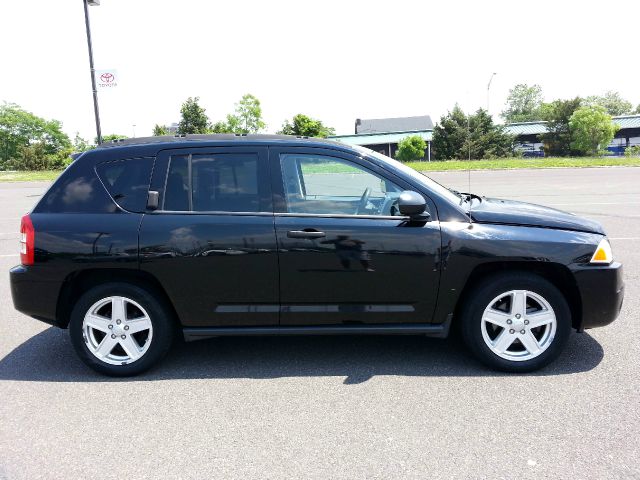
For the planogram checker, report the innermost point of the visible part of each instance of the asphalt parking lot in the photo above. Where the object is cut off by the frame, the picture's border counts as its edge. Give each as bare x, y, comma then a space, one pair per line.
351, 407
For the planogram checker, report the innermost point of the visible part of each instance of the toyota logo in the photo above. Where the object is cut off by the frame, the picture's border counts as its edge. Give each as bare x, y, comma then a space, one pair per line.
107, 77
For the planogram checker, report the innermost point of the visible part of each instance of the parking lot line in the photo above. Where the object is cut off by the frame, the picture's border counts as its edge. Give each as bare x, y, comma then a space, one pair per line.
582, 204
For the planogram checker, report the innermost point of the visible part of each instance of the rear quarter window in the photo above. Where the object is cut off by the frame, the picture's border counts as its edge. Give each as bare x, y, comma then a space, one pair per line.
77, 190
127, 181
83, 189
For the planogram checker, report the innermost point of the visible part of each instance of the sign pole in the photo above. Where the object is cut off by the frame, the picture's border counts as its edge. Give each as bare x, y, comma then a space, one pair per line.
93, 74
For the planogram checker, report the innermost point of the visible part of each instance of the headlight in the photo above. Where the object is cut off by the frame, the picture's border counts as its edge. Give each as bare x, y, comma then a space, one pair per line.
603, 253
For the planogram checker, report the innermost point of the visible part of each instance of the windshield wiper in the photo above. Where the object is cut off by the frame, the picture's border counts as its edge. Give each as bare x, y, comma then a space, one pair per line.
472, 195
464, 196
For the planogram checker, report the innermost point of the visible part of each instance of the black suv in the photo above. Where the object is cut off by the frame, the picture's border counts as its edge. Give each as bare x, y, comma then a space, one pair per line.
213, 235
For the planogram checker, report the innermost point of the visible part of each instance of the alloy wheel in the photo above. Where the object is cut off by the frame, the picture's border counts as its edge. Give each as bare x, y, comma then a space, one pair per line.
117, 330
518, 325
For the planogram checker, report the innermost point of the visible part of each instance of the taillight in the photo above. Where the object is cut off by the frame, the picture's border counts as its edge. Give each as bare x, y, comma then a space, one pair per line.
27, 241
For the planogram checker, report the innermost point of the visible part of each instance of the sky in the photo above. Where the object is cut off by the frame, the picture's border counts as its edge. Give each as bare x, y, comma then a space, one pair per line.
331, 60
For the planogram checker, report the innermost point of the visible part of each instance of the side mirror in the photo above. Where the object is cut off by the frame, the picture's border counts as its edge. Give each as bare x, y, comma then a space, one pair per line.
413, 205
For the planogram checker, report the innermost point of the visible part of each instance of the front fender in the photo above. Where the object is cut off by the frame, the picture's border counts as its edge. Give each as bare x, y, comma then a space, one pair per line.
469, 246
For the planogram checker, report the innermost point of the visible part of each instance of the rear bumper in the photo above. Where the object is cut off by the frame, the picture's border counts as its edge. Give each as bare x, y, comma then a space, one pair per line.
33, 295
601, 292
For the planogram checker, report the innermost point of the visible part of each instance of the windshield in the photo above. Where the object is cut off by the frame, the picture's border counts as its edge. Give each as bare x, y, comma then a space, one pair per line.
419, 177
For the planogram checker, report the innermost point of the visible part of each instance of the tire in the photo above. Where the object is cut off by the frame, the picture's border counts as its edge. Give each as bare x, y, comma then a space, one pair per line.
489, 322
120, 347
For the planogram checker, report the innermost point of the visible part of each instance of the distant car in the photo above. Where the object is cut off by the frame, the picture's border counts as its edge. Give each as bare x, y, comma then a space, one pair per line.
531, 150
269, 235
615, 150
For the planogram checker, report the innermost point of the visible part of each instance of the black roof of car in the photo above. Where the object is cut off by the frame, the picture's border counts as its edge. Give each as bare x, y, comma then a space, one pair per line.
150, 146
217, 137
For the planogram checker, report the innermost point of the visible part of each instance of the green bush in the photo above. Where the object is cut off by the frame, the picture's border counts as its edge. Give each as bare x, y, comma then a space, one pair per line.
35, 157
591, 130
411, 148
632, 151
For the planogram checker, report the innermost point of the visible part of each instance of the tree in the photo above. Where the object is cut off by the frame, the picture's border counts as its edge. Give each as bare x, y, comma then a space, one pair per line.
450, 134
35, 157
411, 148
110, 137
221, 127
487, 140
193, 118
458, 136
637, 111
80, 144
523, 104
304, 126
30, 157
19, 128
160, 130
591, 129
247, 117
557, 140
612, 102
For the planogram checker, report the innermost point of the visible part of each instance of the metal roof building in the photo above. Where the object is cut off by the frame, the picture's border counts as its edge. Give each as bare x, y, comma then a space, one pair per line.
398, 124
383, 134
527, 133
625, 122
526, 128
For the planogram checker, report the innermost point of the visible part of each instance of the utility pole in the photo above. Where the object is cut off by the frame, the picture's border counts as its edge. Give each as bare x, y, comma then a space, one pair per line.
489, 91
91, 68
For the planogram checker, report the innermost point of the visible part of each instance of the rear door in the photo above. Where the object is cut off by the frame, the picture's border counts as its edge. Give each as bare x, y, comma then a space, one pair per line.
345, 255
211, 242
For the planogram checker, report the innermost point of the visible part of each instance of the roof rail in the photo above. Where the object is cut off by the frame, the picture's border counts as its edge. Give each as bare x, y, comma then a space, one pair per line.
209, 137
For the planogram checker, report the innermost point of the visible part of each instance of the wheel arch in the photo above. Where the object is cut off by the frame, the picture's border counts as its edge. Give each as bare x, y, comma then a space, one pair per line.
559, 275
79, 282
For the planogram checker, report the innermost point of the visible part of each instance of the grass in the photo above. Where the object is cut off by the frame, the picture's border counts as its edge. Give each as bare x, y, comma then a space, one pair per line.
512, 163
497, 164
29, 176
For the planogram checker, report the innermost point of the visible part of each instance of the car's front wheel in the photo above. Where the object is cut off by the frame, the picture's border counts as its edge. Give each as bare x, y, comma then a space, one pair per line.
516, 322
120, 329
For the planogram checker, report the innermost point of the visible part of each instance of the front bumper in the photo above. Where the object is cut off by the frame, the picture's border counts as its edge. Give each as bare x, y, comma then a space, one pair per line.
601, 291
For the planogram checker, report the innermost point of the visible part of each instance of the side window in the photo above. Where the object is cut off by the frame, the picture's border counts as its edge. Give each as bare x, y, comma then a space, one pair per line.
319, 184
225, 182
77, 190
127, 181
176, 192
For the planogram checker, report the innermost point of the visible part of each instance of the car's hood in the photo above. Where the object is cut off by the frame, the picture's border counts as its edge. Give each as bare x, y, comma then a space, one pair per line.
496, 210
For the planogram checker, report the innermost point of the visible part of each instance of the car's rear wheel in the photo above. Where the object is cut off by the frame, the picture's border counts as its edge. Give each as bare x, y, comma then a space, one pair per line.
120, 329
516, 322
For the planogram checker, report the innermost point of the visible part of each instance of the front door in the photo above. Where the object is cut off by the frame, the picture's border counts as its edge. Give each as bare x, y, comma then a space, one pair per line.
345, 255
211, 243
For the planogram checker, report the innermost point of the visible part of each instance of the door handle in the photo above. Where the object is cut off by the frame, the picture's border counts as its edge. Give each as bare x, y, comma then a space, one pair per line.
305, 234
